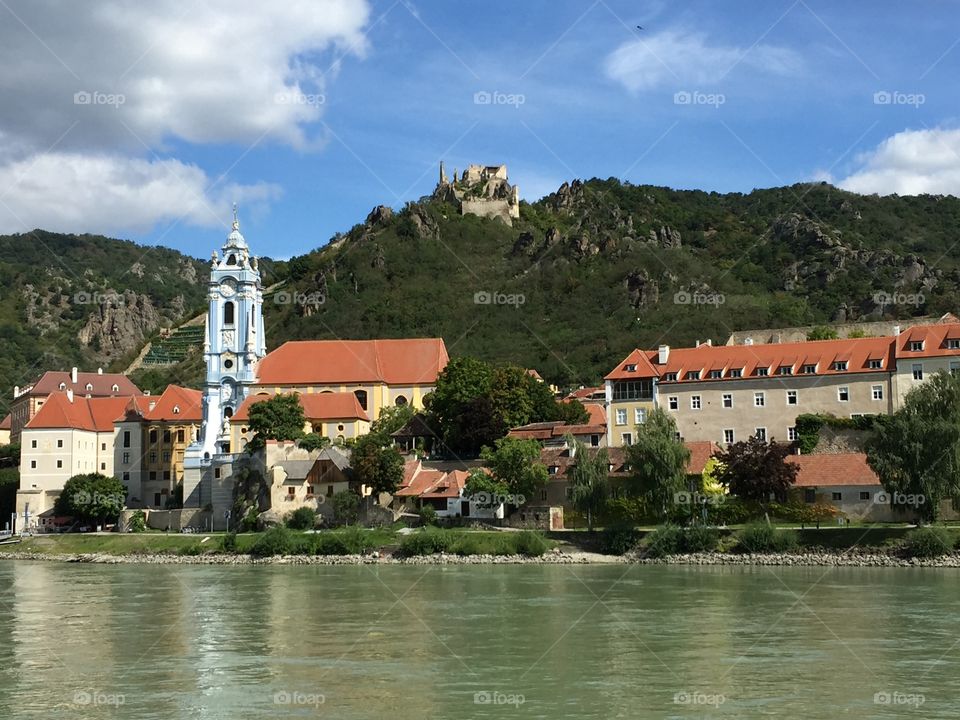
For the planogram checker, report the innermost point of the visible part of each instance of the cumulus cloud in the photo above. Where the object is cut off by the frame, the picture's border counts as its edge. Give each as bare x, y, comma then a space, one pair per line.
912, 162
672, 58
99, 88
74, 192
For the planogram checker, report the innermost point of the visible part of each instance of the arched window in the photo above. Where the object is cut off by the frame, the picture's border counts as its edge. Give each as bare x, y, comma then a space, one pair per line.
401, 400
115, 388
232, 260
89, 387
63, 386
361, 398
228, 313
228, 412
176, 409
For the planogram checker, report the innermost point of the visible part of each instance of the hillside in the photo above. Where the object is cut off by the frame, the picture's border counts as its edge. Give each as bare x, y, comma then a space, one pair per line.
86, 300
583, 276
602, 267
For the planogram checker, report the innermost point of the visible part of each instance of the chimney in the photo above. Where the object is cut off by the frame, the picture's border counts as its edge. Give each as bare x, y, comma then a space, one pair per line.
99, 371
896, 330
663, 354
16, 391
70, 395
73, 376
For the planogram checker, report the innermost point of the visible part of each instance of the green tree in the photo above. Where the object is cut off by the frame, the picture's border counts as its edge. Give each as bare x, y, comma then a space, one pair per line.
916, 451
516, 465
313, 441
512, 393
460, 405
279, 418
392, 418
92, 497
657, 462
377, 463
572, 412
346, 507
756, 470
302, 518
589, 479
822, 332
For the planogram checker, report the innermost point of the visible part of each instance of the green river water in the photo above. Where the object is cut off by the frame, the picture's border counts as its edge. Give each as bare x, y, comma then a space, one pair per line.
527, 641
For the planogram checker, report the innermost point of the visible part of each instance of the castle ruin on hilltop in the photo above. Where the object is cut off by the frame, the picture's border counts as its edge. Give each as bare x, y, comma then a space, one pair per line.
481, 190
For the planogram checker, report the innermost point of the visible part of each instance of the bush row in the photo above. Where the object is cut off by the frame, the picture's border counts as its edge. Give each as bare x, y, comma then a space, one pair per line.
432, 540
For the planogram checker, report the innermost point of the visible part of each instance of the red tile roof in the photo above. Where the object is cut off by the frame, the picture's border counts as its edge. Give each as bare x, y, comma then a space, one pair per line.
834, 470
332, 362
316, 406
700, 453
92, 414
101, 384
431, 483
176, 404
585, 392
934, 338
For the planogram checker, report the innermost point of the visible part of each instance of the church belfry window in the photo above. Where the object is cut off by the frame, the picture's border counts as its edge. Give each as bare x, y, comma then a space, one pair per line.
228, 311
232, 259
361, 398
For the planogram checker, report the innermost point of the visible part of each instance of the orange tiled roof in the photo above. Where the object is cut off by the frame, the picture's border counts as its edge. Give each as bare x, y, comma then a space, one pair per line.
409, 361
700, 453
316, 406
92, 414
935, 338
431, 483
101, 384
833, 470
188, 402
5, 423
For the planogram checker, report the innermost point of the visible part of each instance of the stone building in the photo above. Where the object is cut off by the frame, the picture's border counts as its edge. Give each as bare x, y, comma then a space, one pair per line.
481, 190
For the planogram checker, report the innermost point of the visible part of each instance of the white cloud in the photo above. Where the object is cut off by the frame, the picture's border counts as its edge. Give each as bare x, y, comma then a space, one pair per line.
73, 192
912, 162
214, 71
689, 60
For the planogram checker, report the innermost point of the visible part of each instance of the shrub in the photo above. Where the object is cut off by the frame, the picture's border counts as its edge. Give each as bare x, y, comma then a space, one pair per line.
530, 543
275, 541
228, 543
426, 542
346, 507
762, 538
927, 542
138, 522
618, 539
471, 544
665, 540
190, 550
428, 515
249, 521
301, 519
700, 539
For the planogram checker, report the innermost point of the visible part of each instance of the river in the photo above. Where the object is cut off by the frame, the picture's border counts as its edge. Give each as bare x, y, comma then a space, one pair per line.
528, 641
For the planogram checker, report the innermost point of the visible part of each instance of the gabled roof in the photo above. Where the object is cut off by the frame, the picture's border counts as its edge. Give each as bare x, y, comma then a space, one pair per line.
316, 406
412, 361
644, 367
91, 414
432, 483
175, 404
933, 337
6, 422
101, 384
834, 470
700, 453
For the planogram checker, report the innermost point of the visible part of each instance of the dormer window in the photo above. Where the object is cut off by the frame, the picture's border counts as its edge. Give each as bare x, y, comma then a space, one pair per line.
631, 367
228, 310
63, 386
693, 375
763, 371
736, 372
785, 370
809, 369
89, 387
670, 377
916, 345
840, 365
176, 409
953, 343
716, 374
115, 388
876, 364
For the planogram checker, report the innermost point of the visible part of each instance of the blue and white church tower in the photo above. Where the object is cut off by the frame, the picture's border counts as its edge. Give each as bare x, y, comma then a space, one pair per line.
233, 346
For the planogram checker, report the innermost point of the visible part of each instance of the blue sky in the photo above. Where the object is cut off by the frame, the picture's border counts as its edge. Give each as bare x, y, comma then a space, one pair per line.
311, 113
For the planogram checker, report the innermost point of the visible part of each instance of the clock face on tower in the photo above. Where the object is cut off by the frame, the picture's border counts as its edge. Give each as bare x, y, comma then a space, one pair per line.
228, 287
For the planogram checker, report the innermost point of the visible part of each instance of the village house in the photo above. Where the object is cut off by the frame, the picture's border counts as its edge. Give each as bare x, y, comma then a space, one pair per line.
5, 430
337, 416
28, 400
593, 433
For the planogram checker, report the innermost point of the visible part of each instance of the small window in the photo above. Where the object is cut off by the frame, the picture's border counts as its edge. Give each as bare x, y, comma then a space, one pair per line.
627, 438
59, 463
673, 402
400, 401
954, 367
166, 456
670, 377
693, 375
228, 313
916, 345
840, 365
792, 434
716, 374
126, 479
953, 343
166, 437
727, 400
621, 416
763, 372
153, 475
63, 386
166, 475
89, 387
836, 497
115, 388
864, 495
809, 495
736, 373
153, 456
33, 464
791, 397
176, 409
918, 371
153, 436
631, 368
875, 364
876, 392
594, 441
761, 434
59, 443
759, 399
126, 438
785, 370
843, 394
361, 396
695, 402
216, 473
809, 369
33, 443
728, 436
103, 466
126, 458
291, 491
639, 416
